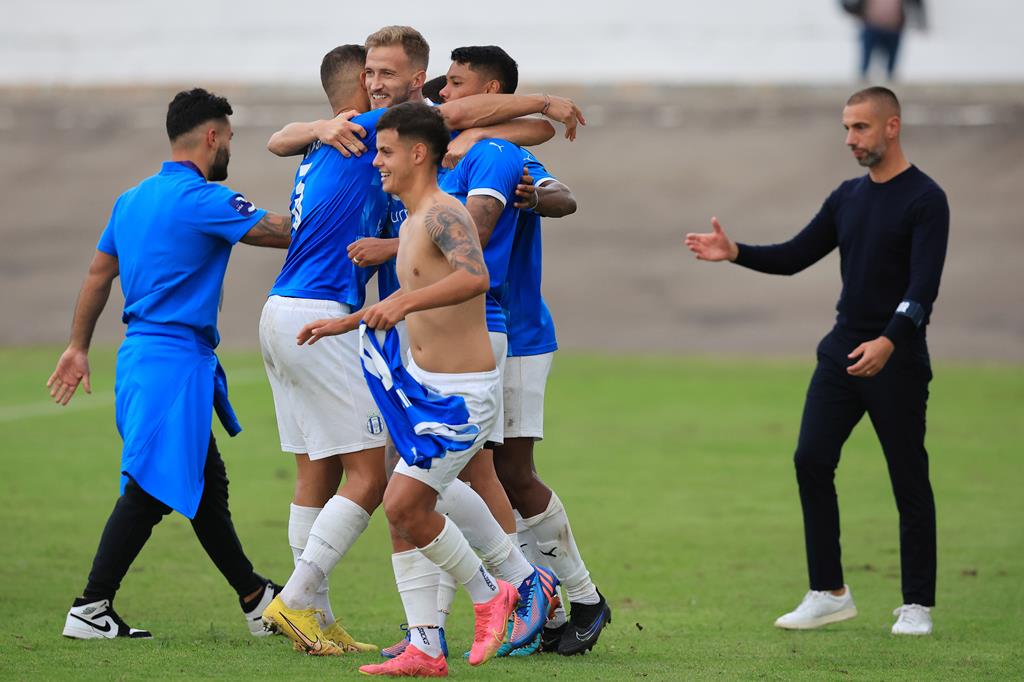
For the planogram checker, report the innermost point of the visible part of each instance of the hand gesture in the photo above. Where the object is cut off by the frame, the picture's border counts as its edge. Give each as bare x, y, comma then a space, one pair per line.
526, 192
565, 112
712, 246
873, 356
370, 251
386, 314
342, 134
72, 369
332, 326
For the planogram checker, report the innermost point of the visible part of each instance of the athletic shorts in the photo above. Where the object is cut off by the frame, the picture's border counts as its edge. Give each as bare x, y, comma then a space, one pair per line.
523, 383
482, 393
499, 344
322, 402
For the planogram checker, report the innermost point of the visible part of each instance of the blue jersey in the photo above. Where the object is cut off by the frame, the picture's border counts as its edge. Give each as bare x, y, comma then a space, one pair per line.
531, 331
172, 236
492, 168
424, 425
335, 201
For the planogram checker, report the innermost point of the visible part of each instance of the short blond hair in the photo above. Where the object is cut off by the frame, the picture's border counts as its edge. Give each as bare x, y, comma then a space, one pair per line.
411, 40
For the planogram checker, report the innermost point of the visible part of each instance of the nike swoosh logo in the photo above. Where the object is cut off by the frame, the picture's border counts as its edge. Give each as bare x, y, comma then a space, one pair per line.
106, 623
598, 622
550, 554
306, 641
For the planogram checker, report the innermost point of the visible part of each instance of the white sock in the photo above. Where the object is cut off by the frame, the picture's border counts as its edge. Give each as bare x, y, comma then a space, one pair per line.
497, 550
450, 552
300, 590
337, 527
445, 596
300, 521
416, 578
557, 547
528, 545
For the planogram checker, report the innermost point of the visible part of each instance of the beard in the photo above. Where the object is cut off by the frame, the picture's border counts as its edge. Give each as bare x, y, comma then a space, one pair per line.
872, 156
219, 167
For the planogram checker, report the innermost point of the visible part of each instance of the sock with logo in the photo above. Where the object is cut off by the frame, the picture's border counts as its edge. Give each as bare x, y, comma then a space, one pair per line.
416, 578
557, 549
528, 545
450, 552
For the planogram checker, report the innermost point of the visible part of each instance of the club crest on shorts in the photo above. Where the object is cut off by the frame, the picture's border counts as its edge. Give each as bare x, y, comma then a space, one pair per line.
374, 424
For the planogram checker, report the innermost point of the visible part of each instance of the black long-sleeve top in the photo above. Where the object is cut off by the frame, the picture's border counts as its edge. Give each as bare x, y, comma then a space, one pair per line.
892, 244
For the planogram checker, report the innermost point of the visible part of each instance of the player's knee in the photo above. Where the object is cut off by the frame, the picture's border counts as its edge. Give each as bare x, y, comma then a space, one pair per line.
398, 509
813, 461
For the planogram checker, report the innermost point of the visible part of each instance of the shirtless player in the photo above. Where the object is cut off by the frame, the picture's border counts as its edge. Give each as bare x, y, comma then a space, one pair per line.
443, 279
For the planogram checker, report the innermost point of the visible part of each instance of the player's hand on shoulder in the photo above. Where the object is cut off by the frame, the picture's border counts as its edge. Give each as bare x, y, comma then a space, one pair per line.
460, 146
342, 134
72, 370
712, 246
318, 329
526, 191
873, 356
370, 251
566, 112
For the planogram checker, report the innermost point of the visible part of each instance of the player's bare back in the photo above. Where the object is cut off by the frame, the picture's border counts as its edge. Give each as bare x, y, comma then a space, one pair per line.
452, 339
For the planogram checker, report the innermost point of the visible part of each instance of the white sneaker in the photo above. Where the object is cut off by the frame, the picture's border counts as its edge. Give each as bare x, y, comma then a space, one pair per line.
912, 619
254, 615
817, 609
98, 620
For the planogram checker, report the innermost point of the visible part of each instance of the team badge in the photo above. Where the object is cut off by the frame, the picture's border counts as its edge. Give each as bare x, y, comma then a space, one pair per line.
242, 205
374, 424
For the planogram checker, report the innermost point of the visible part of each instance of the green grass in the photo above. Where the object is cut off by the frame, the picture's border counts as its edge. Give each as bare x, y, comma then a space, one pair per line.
677, 476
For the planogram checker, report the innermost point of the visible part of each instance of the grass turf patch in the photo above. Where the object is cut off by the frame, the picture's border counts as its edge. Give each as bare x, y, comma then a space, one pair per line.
677, 476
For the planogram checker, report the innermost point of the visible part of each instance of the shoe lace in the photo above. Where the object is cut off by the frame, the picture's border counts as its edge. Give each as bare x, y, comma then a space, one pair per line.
910, 612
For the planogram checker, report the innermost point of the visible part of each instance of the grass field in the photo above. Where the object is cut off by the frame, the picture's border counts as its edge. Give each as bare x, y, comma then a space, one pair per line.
677, 476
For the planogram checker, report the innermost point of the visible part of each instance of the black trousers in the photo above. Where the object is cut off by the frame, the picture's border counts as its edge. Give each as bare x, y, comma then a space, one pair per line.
895, 401
137, 512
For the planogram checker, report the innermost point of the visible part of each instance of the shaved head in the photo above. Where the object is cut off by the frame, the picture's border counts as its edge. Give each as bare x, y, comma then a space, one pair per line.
883, 99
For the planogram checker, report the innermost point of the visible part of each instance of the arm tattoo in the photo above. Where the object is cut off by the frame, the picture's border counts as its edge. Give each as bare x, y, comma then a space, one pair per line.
456, 238
485, 211
269, 230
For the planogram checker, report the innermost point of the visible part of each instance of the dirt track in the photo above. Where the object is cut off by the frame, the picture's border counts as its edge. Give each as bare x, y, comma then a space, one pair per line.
654, 164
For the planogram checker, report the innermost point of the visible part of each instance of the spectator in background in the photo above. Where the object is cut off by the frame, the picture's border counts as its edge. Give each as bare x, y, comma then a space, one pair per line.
883, 22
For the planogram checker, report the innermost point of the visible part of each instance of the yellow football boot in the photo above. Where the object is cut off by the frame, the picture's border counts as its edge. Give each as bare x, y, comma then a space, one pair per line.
302, 627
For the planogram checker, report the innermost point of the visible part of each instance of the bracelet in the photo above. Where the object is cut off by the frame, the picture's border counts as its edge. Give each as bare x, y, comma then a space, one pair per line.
536, 199
547, 103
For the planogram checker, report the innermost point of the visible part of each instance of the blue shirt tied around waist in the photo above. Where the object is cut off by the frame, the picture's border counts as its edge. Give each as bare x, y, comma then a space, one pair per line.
424, 425
172, 235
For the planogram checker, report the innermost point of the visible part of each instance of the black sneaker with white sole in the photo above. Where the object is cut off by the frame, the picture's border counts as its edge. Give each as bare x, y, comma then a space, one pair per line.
253, 609
585, 624
98, 620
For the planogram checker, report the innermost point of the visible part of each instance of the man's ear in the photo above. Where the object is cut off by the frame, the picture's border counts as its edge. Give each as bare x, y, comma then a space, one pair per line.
892, 127
493, 87
419, 79
419, 153
211, 137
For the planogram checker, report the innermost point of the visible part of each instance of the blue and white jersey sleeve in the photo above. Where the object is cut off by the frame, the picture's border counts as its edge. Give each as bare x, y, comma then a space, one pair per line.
536, 169
223, 212
493, 168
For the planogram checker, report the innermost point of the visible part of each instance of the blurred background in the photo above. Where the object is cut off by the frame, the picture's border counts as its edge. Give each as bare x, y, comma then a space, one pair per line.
695, 109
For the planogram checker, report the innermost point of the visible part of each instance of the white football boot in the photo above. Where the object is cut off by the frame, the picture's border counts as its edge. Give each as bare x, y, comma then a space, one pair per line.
912, 619
818, 609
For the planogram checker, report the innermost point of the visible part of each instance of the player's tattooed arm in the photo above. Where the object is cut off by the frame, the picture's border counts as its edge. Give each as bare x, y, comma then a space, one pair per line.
456, 236
272, 230
485, 211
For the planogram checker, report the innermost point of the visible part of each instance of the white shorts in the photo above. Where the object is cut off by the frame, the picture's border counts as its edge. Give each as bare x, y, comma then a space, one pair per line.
499, 344
482, 393
523, 384
322, 402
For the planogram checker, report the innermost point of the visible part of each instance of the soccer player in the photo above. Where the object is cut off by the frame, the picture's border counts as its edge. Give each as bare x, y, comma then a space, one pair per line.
891, 227
325, 413
169, 238
443, 279
541, 522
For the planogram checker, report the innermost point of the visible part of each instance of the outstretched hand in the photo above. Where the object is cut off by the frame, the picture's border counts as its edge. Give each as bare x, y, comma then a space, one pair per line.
72, 369
873, 356
712, 246
318, 329
565, 112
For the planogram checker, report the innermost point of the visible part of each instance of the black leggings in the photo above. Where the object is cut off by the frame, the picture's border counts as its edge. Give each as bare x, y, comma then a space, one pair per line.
895, 400
137, 512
